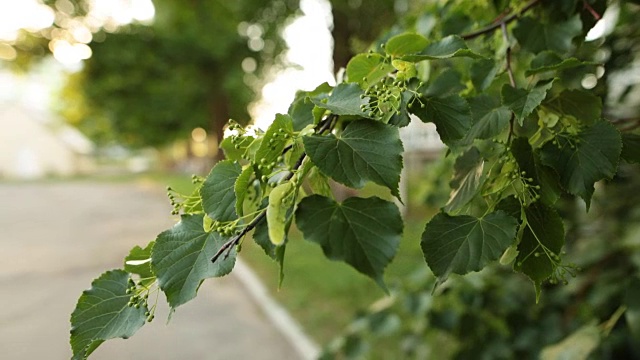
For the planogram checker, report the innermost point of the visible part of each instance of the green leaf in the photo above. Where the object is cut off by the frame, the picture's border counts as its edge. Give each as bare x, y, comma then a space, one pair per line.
367, 69
273, 143
536, 36
365, 151
577, 346
631, 148
530, 164
217, 192
344, 100
489, 117
448, 82
405, 44
541, 243
451, 115
229, 147
319, 182
550, 61
449, 47
583, 159
102, 313
583, 106
241, 187
521, 101
181, 259
280, 202
467, 179
402, 118
261, 237
461, 244
364, 233
139, 261
301, 113
482, 73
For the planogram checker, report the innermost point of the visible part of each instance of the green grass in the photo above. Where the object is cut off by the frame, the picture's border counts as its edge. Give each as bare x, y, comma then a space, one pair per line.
325, 295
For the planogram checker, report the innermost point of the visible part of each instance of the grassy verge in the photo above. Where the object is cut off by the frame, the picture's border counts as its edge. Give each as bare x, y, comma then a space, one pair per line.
324, 295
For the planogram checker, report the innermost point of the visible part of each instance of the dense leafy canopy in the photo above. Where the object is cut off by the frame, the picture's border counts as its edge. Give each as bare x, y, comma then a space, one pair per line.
526, 133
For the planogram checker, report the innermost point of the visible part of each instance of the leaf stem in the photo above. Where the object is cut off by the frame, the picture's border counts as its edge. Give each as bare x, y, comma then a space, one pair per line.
591, 10
327, 124
491, 28
512, 80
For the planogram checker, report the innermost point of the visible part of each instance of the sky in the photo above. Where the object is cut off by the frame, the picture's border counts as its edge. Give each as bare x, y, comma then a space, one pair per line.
308, 37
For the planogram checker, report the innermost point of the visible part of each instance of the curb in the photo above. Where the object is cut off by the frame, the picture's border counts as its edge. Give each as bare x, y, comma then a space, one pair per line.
280, 318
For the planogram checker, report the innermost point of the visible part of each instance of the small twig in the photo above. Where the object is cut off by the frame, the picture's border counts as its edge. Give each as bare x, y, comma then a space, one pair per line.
512, 79
505, 37
505, 20
593, 12
236, 239
226, 247
631, 127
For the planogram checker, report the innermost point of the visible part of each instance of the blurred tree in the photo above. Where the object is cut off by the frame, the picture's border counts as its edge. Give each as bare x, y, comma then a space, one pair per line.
195, 66
355, 34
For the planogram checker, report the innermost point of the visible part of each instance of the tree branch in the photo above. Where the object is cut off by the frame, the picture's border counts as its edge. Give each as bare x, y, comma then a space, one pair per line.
512, 79
491, 28
226, 247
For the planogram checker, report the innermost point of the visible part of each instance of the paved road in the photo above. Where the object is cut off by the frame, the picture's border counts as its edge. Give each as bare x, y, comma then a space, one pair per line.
55, 238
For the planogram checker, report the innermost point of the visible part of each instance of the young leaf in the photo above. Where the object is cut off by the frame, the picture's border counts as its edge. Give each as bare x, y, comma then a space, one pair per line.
102, 313
482, 73
550, 61
365, 233
529, 163
583, 106
631, 148
536, 36
273, 143
234, 151
139, 261
521, 101
366, 151
582, 160
301, 113
181, 259
541, 242
448, 82
217, 192
489, 118
402, 118
241, 187
344, 100
467, 179
405, 44
461, 244
451, 115
367, 69
448, 47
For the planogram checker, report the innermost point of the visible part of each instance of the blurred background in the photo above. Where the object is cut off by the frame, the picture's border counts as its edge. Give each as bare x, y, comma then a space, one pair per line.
103, 103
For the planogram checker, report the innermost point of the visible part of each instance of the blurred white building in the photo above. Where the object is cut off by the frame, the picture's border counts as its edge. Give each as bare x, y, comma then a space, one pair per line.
32, 146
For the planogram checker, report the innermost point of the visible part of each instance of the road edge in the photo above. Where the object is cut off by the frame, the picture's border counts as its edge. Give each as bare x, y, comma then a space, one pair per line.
280, 318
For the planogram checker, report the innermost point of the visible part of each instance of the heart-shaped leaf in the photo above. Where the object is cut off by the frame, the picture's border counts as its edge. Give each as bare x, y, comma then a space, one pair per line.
363, 232
181, 259
102, 313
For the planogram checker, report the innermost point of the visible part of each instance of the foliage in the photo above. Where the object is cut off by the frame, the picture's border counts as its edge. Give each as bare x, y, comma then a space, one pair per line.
151, 84
526, 138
